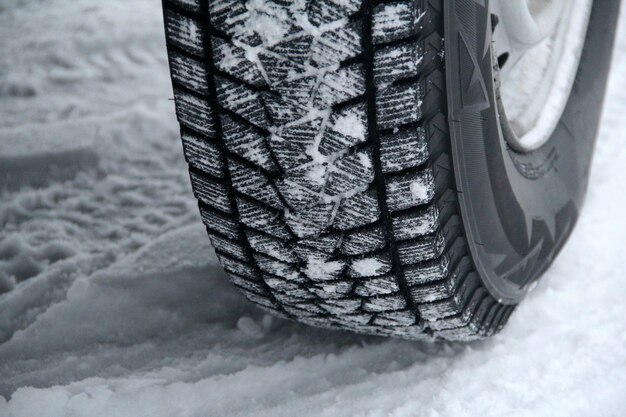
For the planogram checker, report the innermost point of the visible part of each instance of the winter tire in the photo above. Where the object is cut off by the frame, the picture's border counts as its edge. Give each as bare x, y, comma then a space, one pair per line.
354, 173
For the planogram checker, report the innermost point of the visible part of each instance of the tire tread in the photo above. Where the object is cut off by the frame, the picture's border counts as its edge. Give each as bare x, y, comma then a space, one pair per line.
357, 228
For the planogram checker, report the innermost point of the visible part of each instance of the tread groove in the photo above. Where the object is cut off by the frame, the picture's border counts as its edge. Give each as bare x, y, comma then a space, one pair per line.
374, 138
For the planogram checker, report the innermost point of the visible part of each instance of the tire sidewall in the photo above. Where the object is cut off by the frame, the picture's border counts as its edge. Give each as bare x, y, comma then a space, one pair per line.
518, 208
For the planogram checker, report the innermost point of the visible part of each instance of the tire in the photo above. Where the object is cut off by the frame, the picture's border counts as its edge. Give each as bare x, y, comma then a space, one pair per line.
339, 160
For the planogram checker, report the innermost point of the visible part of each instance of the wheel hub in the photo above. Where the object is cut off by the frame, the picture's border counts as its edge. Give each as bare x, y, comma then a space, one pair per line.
538, 44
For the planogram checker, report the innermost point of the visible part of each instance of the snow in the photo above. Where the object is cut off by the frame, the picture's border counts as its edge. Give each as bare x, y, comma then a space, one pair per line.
319, 269
267, 21
350, 124
114, 304
368, 267
419, 190
253, 329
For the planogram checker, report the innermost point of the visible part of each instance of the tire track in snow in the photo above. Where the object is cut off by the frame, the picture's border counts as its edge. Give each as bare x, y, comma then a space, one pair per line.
91, 168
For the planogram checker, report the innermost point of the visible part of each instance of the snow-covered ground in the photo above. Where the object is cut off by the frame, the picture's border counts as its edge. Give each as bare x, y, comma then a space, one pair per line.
112, 303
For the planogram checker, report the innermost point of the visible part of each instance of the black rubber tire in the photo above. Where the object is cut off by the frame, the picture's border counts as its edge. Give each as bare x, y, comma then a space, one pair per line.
323, 142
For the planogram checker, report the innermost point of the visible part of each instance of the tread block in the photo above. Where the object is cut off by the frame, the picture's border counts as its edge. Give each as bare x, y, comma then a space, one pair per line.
283, 111
228, 15
331, 290
189, 72
422, 249
358, 210
289, 298
210, 191
488, 324
219, 223
354, 320
340, 306
431, 48
203, 154
370, 266
243, 140
298, 194
291, 143
346, 128
276, 267
323, 322
384, 303
328, 11
503, 317
257, 217
430, 271
398, 105
397, 62
453, 306
414, 332
326, 243
184, 32
350, 174
320, 269
403, 150
371, 287
337, 45
310, 222
238, 267
360, 242
395, 318
194, 113
340, 85
437, 134
410, 190
416, 223
294, 50
278, 69
254, 183
296, 287
270, 246
434, 96
232, 60
297, 91
469, 319
395, 20
465, 334
240, 99
232, 247
434, 292
443, 288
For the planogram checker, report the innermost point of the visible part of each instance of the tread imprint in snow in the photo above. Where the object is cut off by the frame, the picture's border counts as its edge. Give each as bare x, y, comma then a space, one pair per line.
317, 142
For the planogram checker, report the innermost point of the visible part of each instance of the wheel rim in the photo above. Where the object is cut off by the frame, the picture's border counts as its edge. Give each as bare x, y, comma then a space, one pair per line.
538, 44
